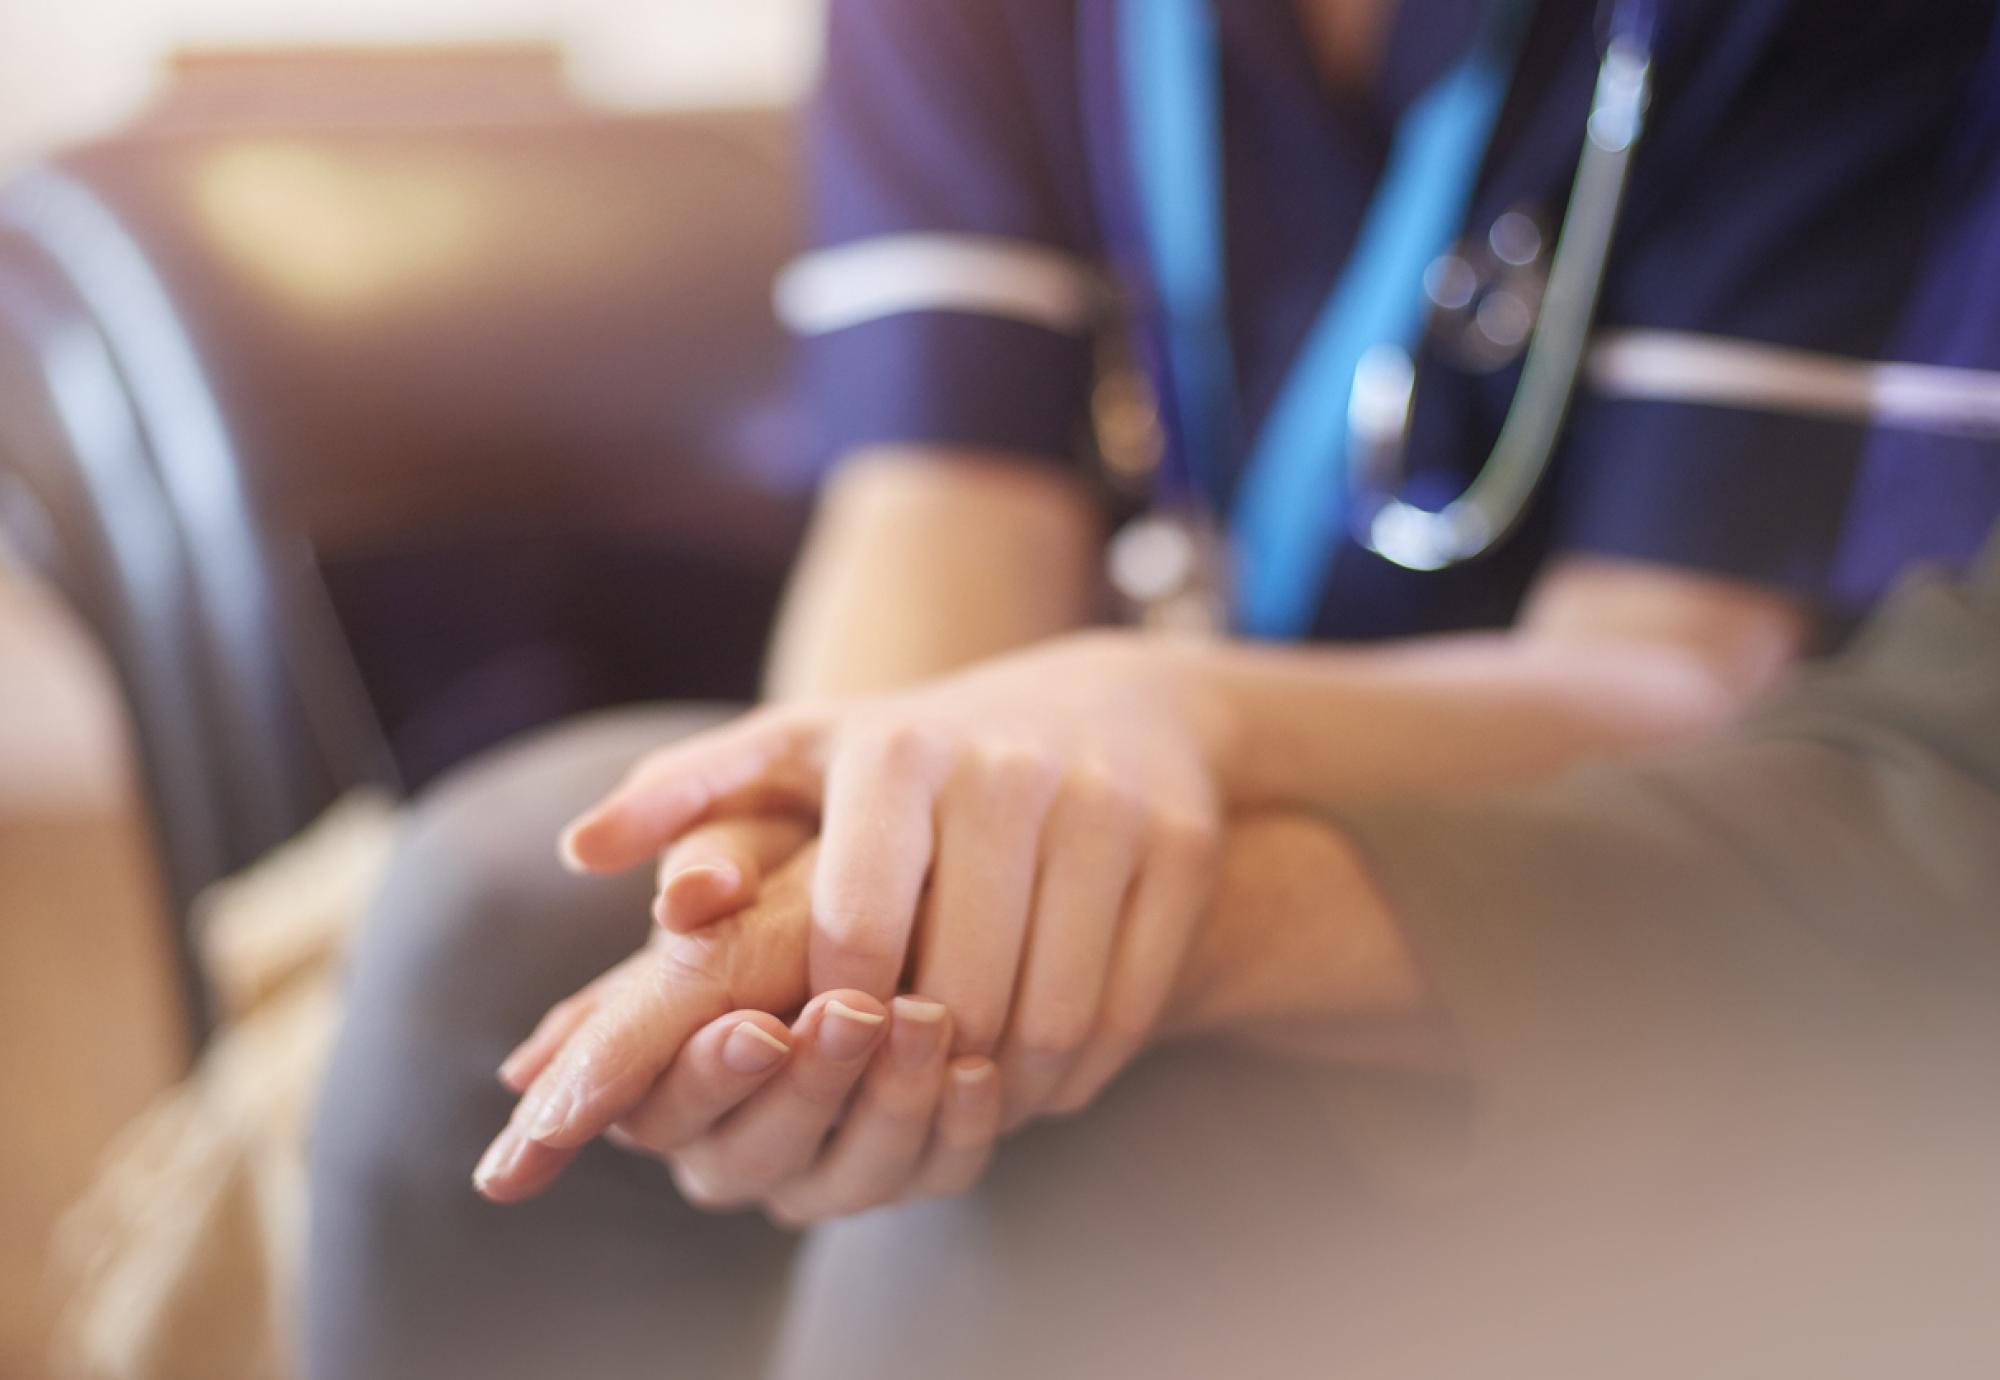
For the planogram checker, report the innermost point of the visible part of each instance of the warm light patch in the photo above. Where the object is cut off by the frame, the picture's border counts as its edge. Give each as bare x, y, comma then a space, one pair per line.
332, 234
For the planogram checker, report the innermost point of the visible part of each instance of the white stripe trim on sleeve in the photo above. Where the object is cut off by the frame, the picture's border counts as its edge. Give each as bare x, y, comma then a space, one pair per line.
1674, 366
891, 275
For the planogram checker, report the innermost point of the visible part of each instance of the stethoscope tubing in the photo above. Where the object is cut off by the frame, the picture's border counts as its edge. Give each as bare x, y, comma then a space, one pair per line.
1499, 494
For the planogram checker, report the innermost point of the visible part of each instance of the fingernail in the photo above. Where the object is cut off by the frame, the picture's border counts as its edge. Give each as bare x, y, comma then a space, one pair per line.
917, 1033
550, 1112
969, 1079
566, 849
752, 1049
845, 1033
500, 1159
704, 884
509, 1068
717, 876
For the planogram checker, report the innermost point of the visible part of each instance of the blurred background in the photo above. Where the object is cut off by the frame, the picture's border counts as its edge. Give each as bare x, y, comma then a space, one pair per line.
70, 70
350, 350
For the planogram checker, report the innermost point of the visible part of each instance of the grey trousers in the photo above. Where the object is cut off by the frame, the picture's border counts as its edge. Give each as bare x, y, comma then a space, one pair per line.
1169, 1214
1205, 1217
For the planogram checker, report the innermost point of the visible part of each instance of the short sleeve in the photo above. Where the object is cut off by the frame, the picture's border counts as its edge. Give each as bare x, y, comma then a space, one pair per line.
951, 290
1931, 493
1780, 209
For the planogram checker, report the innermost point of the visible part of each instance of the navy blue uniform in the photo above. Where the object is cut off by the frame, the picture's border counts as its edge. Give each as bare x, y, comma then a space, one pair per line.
1783, 196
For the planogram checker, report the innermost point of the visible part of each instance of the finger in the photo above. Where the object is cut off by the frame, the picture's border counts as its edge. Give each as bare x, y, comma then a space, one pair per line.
983, 877
672, 789
524, 1064
968, 1121
724, 1063
781, 1128
875, 1152
515, 1169
615, 1056
717, 867
875, 848
1089, 852
1168, 898
526, 1061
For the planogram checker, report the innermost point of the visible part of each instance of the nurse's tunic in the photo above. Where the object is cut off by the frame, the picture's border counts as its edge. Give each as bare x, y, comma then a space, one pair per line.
1614, 944
973, 192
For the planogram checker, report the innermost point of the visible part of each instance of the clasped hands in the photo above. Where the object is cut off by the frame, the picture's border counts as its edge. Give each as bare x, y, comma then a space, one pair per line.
891, 929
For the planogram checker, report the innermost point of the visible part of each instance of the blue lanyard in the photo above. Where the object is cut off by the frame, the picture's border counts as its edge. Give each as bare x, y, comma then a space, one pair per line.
1290, 505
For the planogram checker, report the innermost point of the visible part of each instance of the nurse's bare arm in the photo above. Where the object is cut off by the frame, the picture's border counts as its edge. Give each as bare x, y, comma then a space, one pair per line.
1607, 656
924, 559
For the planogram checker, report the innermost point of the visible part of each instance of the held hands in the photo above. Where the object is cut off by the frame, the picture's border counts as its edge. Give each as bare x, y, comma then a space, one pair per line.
1035, 841
1032, 841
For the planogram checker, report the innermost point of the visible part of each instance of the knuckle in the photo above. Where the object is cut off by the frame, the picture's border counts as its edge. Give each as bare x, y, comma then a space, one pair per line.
1016, 776
1186, 841
1095, 800
854, 923
899, 747
857, 937
594, 1054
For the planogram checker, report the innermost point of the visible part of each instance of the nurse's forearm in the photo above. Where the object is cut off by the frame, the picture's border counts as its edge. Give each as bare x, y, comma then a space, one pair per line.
1607, 659
922, 560
1325, 728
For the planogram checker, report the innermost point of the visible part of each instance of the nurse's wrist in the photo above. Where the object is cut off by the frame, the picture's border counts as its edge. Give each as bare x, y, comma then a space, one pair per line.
1193, 672
1254, 724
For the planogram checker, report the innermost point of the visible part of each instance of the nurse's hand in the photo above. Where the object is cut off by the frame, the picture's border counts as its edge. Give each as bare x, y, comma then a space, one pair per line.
1038, 835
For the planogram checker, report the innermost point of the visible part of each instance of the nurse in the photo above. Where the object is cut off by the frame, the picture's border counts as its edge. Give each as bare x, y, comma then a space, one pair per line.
979, 206
1032, 841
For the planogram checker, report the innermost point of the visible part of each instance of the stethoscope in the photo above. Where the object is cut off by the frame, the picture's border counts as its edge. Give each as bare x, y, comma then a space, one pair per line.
1331, 455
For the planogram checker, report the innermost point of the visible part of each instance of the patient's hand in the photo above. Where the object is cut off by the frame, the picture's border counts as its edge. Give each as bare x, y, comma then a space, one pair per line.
738, 1105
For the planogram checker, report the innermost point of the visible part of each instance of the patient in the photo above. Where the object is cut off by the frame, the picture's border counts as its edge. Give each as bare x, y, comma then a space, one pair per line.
894, 923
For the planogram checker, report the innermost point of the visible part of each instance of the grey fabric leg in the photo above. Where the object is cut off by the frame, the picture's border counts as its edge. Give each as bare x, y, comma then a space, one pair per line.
476, 932
1200, 1220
